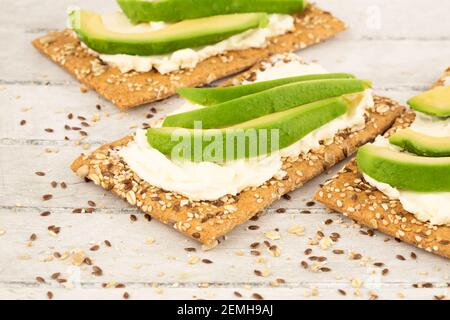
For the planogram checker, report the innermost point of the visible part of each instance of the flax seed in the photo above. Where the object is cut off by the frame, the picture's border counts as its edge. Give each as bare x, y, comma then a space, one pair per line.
40, 280
257, 296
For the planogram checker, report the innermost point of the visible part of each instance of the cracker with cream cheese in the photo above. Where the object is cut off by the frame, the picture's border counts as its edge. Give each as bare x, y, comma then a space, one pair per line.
208, 221
132, 89
349, 194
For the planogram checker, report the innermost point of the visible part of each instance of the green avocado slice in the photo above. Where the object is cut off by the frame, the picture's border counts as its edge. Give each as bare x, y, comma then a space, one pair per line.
177, 10
421, 144
435, 102
266, 102
404, 171
250, 139
91, 30
211, 96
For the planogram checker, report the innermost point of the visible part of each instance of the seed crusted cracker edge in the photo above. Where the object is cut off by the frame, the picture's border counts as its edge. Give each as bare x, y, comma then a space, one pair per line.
348, 194
208, 221
134, 89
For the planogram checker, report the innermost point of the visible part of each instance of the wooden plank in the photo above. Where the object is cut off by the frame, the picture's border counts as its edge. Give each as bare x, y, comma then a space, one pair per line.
147, 293
133, 258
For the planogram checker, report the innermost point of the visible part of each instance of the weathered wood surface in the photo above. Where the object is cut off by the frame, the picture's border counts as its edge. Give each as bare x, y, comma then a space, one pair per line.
400, 55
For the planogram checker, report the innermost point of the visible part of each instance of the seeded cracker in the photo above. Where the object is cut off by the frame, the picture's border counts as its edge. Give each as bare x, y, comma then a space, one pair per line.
134, 89
349, 194
208, 221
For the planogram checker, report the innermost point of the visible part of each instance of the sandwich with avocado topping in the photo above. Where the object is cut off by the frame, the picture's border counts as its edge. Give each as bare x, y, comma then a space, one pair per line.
152, 48
400, 184
206, 168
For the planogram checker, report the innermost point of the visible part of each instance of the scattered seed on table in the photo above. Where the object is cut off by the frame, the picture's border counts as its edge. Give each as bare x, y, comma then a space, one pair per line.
237, 294
342, 292
49, 130
287, 197
378, 264
40, 280
385, 272
55, 275
126, 296
107, 243
310, 203
257, 296
91, 203
33, 237
95, 248
40, 173
400, 257
47, 197
97, 271
133, 218
54, 184
23, 122
50, 295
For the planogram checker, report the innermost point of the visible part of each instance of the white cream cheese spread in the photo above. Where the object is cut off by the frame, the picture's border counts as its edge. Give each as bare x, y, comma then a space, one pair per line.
188, 58
211, 181
427, 207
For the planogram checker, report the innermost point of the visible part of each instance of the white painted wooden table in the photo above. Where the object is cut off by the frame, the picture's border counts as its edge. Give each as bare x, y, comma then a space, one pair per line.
402, 45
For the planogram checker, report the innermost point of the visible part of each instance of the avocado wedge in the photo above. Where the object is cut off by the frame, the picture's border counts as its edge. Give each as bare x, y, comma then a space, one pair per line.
435, 102
91, 30
266, 102
177, 10
405, 171
421, 144
249, 139
211, 96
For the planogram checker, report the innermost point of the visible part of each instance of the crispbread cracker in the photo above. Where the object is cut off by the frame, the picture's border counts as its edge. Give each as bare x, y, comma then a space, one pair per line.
208, 221
133, 89
349, 194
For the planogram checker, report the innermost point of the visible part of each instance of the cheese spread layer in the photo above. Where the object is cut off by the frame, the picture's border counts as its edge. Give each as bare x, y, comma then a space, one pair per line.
188, 58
